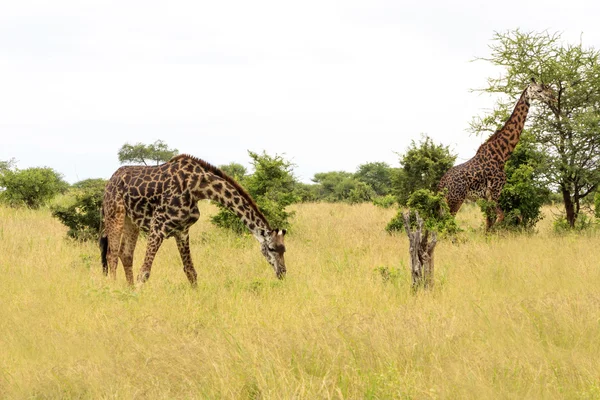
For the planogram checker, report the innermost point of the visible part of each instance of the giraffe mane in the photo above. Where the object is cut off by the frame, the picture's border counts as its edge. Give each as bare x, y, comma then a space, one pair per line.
221, 174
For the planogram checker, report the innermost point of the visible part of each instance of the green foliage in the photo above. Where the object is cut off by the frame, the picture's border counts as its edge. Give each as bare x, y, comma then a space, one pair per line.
389, 275
384, 201
597, 204
432, 207
31, 187
371, 180
235, 170
306, 193
139, 153
360, 193
377, 175
583, 223
334, 186
525, 190
422, 166
79, 209
568, 130
272, 186
7, 165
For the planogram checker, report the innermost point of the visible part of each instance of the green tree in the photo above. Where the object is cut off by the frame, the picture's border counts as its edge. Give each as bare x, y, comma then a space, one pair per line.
569, 130
139, 153
597, 204
361, 193
306, 192
335, 185
79, 209
525, 190
272, 186
235, 170
31, 187
422, 166
378, 175
7, 165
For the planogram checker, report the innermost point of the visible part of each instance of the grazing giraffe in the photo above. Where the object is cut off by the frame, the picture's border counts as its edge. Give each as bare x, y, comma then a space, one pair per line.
162, 201
483, 176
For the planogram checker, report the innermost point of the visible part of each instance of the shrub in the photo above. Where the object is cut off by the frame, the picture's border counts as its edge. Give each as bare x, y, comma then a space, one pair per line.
31, 187
432, 207
79, 209
422, 166
384, 201
361, 193
271, 186
582, 223
597, 204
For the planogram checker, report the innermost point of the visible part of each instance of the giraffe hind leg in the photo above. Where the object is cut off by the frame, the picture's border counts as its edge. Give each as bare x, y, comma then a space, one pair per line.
114, 230
128, 242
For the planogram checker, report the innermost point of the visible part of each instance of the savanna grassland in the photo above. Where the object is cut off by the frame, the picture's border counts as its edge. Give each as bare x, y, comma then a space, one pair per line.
511, 316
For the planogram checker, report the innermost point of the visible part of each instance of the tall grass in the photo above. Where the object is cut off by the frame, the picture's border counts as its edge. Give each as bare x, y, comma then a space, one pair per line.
511, 316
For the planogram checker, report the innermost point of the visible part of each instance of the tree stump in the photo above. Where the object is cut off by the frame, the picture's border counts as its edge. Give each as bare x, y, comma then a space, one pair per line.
421, 251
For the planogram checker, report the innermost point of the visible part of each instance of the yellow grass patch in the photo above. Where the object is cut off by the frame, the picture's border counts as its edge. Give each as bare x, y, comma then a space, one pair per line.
512, 316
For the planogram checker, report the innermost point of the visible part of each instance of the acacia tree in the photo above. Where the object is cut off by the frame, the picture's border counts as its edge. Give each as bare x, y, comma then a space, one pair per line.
568, 130
139, 153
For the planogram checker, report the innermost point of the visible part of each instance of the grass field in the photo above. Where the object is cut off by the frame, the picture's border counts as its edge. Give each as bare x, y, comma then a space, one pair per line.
511, 316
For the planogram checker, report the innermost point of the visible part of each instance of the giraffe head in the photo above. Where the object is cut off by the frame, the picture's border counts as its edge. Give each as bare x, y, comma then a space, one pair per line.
273, 249
539, 91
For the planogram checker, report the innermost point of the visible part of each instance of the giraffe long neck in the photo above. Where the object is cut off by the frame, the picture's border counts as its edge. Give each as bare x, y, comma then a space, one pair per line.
506, 139
233, 197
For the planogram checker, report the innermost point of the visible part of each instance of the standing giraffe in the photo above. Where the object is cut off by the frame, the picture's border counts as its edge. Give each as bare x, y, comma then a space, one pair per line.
162, 201
483, 176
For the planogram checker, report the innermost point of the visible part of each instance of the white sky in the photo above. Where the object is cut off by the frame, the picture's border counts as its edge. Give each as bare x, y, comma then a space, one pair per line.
328, 84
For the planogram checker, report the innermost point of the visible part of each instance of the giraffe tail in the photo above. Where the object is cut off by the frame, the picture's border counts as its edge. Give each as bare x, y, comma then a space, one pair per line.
103, 244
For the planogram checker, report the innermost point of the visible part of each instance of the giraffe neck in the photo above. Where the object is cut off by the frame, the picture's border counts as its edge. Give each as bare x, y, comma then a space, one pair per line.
216, 186
504, 141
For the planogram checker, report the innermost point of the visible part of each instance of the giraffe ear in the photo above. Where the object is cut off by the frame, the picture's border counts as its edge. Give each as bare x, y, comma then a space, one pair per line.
532, 79
283, 232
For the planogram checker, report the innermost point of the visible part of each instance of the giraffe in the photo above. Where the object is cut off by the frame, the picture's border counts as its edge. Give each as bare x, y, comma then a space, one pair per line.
162, 201
483, 175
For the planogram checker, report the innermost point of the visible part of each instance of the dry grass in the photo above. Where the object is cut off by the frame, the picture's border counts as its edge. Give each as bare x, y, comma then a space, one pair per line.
512, 316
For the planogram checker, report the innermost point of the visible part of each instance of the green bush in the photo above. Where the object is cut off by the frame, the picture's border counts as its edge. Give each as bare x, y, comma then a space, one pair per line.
432, 208
31, 187
385, 201
597, 204
272, 186
361, 193
582, 223
422, 166
79, 209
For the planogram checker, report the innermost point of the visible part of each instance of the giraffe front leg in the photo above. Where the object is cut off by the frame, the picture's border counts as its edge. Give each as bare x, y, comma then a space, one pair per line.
183, 244
154, 241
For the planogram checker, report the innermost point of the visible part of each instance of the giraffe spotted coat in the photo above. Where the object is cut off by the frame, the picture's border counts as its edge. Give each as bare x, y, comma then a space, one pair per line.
162, 201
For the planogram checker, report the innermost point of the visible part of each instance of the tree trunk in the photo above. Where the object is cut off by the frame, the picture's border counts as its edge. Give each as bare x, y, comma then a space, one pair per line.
421, 252
569, 206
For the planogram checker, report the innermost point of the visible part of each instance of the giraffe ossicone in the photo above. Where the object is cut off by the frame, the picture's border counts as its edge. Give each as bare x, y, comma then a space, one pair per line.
162, 201
483, 176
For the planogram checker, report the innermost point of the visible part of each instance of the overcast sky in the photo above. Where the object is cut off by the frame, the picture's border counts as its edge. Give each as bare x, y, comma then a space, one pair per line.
328, 84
